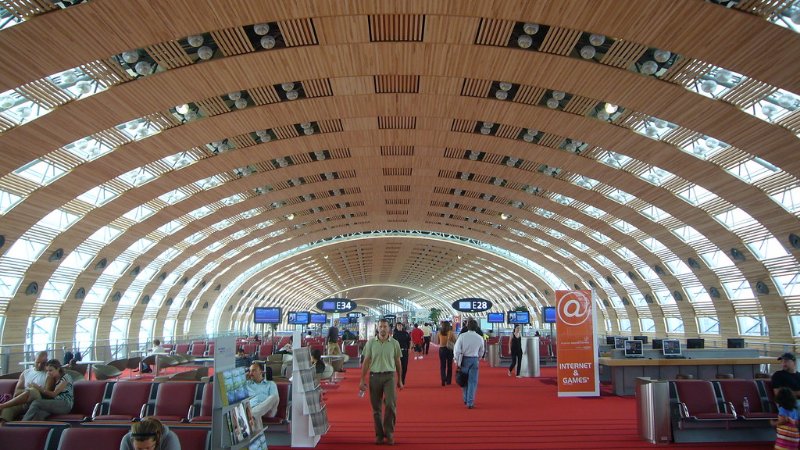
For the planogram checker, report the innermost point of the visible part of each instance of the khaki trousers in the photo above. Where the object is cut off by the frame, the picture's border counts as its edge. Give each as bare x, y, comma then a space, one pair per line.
382, 389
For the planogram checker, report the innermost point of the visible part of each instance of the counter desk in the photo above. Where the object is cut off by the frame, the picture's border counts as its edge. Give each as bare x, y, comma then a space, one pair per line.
622, 373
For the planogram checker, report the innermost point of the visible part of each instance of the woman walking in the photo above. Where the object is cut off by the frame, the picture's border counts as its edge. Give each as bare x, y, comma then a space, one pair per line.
447, 341
515, 348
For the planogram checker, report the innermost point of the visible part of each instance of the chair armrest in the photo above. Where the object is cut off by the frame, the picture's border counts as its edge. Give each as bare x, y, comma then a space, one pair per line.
96, 410
190, 414
143, 411
732, 410
683, 411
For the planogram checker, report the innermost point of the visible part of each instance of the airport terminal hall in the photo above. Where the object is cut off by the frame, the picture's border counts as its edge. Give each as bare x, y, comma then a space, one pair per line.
353, 224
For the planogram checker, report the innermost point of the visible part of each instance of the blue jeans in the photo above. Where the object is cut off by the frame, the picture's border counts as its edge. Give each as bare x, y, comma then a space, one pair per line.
469, 364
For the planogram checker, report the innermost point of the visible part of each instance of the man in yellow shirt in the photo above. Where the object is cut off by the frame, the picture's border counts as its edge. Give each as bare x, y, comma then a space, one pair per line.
426, 336
382, 363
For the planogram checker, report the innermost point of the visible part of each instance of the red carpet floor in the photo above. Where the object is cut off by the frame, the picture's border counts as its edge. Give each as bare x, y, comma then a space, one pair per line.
509, 413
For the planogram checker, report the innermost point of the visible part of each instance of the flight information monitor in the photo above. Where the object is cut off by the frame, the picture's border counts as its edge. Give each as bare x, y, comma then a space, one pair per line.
336, 305
519, 317
319, 318
298, 318
266, 315
495, 317
549, 314
344, 320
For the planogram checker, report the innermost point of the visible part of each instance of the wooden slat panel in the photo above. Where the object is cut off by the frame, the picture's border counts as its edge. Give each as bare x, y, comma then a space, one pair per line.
298, 32
16, 184
264, 95
529, 95
64, 159
169, 54
463, 126
340, 153
317, 88
476, 88
747, 92
242, 140
791, 122
331, 126
686, 71
108, 73
396, 84
494, 32
508, 131
580, 105
560, 41
397, 150
404, 123
764, 8
232, 41
396, 27
212, 106
623, 53
23, 9
551, 140
111, 137
163, 120
43, 92
285, 132
680, 136
6, 124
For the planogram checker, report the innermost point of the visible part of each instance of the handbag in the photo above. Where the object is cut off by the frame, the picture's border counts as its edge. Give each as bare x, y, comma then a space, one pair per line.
462, 378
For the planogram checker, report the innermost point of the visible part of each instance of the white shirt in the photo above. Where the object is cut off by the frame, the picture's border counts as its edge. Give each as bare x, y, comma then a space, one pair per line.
31, 375
468, 344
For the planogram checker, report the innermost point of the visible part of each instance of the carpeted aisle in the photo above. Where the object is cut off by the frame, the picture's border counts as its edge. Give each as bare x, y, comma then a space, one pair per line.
509, 413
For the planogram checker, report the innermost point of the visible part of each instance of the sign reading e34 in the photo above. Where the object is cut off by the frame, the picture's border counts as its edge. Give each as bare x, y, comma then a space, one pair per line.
472, 305
336, 305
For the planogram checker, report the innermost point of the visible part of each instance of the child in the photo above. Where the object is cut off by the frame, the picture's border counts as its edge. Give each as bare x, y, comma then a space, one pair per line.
788, 436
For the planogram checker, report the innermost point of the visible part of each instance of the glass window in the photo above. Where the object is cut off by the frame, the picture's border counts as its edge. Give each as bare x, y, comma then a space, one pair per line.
795, 321
708, 325
767, 248
648, 325
674, 325
738, 290
752, 325
84, 335
145, 332
39, 334
717, 259
788, 284
624, 325
118, 338
169, 330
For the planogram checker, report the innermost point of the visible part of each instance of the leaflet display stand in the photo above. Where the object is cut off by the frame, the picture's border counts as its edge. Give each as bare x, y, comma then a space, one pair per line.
309, 416
233, 426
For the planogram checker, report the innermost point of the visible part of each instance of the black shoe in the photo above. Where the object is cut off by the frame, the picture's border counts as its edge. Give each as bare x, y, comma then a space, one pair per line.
442, 383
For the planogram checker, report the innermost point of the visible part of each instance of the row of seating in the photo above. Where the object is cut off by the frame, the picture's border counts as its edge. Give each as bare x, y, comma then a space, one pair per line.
722, 401
53, 437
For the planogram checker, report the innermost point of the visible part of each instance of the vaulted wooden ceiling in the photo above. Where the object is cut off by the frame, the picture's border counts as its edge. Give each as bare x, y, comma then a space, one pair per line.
188, 160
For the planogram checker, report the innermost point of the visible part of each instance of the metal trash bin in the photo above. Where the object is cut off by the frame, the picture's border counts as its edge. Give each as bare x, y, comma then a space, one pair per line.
493, 355
529, 366
652, 410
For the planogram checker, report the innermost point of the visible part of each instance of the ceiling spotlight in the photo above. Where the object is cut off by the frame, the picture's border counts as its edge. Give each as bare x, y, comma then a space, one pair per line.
485, 130
602, 115
530, 28
527, 137
501, 95
505, 86
649, 68
723, 76
292, 95
240, 103
130, 57
195, 40
305, 125
68, 77
287, 86
610, 108
504, 216
597, 39
143, 68
261, 28
588, 52
205, 53
83, 87
326, 256
708, 86
267, 42
524, 41
308, 131
290, 217
558, 95
235, 95
182, 109
552, 103
6, 102
661, 56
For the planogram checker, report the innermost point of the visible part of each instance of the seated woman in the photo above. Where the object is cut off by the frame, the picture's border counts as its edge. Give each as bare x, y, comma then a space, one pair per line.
317, 362
44, 402
150, 433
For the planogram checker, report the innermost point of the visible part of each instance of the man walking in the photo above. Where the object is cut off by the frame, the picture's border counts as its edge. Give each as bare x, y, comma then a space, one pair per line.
468, 351
382, 363
787, 376
426, 336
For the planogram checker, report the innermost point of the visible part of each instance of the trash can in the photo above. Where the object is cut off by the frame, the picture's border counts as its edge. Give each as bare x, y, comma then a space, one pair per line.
493, 354
529, 367
652, 410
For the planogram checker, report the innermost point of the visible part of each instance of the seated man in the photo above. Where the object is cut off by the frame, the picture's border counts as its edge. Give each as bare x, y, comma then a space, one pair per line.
263, 393
317, 362
241, 359
33, 376
157, 348
285, 350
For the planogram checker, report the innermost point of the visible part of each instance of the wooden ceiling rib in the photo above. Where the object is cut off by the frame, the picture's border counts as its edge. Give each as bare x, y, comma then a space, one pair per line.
348, 176
24, 9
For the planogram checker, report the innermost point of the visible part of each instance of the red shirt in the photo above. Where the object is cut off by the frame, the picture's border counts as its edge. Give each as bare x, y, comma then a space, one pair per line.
416, 336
